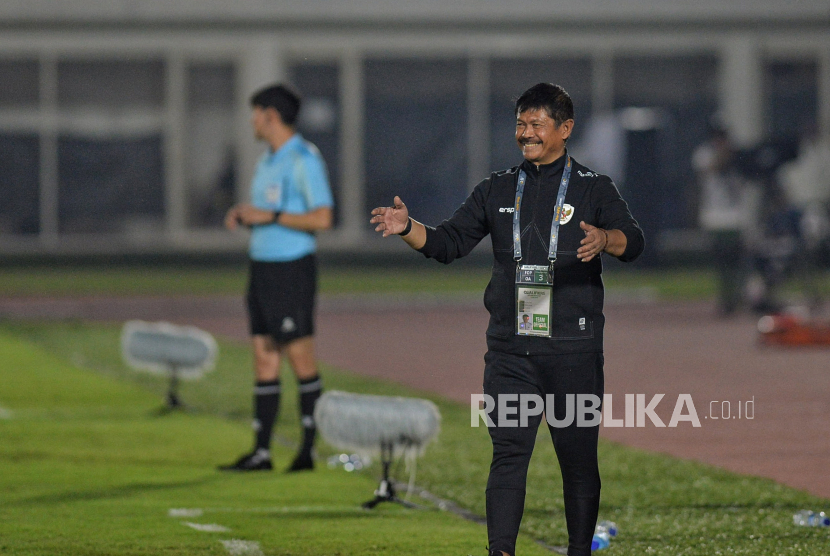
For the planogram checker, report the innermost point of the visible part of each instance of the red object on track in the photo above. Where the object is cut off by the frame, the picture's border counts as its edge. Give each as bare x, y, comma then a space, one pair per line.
791, 330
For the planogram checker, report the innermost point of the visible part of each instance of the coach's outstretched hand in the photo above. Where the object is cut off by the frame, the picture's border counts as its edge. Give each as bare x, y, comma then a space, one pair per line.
395, 219
390, 220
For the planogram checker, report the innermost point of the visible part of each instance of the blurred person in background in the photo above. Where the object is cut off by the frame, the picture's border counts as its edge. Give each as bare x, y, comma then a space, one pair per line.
290, 201
724, 213
805, 183
557, 350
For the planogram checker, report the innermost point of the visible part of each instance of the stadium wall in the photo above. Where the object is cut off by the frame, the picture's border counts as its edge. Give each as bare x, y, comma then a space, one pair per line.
124, 126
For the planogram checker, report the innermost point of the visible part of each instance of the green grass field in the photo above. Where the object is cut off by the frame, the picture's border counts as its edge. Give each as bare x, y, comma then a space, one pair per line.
87, 467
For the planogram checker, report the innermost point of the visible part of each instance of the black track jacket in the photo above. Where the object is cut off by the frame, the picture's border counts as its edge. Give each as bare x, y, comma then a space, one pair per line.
577, 289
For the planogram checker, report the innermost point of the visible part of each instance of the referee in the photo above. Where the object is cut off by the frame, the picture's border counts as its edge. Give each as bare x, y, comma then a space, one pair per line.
549, 219
290, 201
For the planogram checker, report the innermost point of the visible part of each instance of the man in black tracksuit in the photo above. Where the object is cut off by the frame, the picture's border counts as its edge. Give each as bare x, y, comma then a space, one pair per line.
566, 358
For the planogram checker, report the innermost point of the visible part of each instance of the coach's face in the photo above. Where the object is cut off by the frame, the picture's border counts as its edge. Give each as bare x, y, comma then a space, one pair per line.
540, 139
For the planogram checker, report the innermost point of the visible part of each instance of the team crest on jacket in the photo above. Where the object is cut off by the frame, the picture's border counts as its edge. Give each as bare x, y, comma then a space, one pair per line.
567, 213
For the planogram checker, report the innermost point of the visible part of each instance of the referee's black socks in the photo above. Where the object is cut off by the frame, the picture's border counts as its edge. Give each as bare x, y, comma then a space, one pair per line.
310, 390
266, 407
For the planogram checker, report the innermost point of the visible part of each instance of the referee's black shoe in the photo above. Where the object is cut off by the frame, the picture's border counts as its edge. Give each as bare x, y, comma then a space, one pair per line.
258, 460
303, 462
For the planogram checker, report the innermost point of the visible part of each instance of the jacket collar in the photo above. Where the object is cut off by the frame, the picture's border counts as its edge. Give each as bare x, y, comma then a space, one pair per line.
546, 171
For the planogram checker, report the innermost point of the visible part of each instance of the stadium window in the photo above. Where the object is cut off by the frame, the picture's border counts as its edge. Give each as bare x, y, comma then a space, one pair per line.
319, 120
110, 171
110, 185
19, 146
21, 84
416, 135
113, 84
19, 183
681, 90
210, 154
791, 91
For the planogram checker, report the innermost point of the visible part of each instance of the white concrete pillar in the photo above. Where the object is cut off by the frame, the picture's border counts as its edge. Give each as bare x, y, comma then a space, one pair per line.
354, 218
48, 186
741, 89
824, 91
602, 82
260, 64
175, 125
478, 120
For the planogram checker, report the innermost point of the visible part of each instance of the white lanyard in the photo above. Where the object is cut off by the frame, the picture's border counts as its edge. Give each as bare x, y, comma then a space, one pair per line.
557, 214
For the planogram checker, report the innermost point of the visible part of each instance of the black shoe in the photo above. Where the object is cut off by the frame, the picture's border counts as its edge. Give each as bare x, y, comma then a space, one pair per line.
258, 460
303, 462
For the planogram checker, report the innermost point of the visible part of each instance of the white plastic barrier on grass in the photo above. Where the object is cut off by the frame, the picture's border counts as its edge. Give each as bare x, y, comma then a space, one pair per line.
180, 352
384, 426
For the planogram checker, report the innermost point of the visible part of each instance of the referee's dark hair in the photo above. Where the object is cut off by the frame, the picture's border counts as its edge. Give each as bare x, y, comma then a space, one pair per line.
553, 98
281, 98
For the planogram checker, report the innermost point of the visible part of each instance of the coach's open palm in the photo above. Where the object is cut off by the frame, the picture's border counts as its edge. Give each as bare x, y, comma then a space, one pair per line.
390, 220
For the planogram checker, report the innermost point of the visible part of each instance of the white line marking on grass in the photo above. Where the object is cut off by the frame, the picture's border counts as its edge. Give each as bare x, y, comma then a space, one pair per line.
207, 527
5, 413
291, 510
242, 548
185, 512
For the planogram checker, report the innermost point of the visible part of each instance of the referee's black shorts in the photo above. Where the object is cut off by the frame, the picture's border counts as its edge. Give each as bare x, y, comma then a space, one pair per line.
281, 298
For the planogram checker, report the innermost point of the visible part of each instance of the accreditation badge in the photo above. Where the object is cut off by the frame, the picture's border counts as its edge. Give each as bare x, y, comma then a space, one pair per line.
533, 300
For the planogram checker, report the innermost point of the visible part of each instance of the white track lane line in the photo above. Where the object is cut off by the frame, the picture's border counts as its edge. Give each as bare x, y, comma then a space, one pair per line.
5, 413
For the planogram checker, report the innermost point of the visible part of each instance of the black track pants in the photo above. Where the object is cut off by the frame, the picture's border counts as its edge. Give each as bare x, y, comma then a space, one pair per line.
576, 447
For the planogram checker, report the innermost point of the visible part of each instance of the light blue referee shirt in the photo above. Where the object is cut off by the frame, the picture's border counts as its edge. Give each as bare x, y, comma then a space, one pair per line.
292, 180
